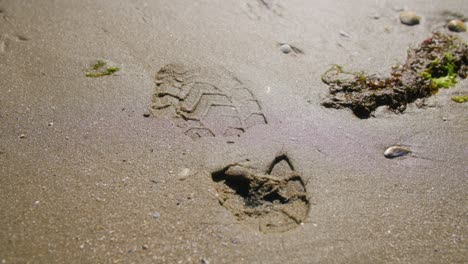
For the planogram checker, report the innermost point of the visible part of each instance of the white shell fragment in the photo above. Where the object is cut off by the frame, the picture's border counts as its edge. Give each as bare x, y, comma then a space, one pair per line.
285, 48
184, 174
396, 151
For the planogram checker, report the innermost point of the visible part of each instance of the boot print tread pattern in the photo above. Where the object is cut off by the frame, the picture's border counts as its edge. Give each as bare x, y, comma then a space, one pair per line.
209, 104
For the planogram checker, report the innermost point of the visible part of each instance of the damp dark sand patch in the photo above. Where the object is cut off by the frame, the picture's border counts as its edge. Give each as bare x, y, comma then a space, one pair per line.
272, 201
434, 64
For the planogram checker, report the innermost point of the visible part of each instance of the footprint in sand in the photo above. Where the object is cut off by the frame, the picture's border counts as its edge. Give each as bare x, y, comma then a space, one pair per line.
273, 201
205, 102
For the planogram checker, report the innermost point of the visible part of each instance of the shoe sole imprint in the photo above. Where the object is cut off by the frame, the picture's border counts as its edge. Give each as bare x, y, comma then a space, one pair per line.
209, 104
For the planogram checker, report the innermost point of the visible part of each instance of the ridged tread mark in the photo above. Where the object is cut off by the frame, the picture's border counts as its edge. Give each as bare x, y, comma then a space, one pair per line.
226, 109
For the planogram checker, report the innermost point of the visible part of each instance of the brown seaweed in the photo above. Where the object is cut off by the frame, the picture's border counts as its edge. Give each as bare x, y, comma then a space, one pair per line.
434, 64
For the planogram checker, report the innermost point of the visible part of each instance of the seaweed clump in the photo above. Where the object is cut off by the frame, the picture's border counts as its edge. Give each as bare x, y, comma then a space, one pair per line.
433, 65
97, 70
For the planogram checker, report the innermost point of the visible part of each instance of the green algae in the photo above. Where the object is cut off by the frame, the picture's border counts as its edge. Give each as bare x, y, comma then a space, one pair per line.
99, 64
441, 73
98, 71
460, 98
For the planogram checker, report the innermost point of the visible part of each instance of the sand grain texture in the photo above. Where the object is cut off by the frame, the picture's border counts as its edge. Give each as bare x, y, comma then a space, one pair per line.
85, 189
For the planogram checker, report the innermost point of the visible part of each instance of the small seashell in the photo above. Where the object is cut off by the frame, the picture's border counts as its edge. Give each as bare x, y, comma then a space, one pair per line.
457, 25
396, 151
156, 215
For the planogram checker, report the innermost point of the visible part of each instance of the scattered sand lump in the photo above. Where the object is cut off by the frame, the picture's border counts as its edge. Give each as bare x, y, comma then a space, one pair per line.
434, 64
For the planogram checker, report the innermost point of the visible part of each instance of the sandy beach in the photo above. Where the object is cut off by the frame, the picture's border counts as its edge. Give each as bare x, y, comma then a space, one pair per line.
149, 131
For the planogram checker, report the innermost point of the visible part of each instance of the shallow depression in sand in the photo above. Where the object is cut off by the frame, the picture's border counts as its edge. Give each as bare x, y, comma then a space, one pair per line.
272, 201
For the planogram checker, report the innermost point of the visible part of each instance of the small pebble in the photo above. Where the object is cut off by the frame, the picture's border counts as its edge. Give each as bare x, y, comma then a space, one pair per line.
156, 215
22, 136
144, 247
184, 174
409, 18
457, 25
146, 114
375, 16
396, 151
285, 48
344, 34
204, 261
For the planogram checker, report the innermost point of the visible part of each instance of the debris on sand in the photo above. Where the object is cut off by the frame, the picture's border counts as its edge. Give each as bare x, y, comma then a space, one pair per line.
409, 18
460, 98
434, 64
457, 25
97, 70
156, 215
396, 151
288, 48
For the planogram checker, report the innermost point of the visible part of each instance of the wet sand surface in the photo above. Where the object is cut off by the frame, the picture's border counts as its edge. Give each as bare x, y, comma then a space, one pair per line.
85, 177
